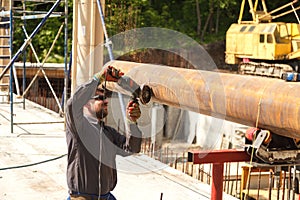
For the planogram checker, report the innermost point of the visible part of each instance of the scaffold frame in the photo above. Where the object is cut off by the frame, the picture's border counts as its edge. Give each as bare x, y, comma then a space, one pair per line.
27, 42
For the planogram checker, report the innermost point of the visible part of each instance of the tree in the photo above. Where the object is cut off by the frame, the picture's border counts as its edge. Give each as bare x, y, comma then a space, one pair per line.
43, 39
195, 18
198, 18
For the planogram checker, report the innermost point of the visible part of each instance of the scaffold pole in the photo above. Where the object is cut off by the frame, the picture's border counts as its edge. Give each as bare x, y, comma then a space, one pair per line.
27, 41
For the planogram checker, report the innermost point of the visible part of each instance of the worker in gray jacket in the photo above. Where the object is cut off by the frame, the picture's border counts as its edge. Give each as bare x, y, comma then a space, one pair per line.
92, 145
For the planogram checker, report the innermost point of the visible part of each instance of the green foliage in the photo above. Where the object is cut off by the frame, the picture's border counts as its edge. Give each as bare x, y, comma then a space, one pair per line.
175, 14
44, 38
120, 15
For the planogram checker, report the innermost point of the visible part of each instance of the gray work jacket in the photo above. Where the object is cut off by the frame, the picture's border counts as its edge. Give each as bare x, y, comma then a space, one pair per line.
85, 137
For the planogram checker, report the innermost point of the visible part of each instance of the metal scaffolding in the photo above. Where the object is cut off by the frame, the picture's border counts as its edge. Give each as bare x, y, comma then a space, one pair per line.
21, 12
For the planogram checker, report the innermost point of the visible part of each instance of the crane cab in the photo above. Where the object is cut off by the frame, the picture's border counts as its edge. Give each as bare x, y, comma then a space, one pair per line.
262, 41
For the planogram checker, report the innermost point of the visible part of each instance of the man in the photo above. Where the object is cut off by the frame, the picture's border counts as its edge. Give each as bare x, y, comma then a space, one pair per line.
93, 146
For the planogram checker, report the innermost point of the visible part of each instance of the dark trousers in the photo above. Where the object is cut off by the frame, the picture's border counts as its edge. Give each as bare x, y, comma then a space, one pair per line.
108, 196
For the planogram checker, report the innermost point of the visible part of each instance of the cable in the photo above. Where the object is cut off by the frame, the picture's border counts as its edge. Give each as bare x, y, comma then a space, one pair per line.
111, 57
32, 164
120, 96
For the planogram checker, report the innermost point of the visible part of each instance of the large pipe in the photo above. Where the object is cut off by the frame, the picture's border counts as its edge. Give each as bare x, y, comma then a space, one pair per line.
271, 104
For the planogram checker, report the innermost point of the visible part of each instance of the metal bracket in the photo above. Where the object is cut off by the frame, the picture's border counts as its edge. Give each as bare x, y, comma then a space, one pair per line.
259, 139
271, 156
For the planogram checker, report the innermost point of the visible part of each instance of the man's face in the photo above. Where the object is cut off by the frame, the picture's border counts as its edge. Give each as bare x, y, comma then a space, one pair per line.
101, 104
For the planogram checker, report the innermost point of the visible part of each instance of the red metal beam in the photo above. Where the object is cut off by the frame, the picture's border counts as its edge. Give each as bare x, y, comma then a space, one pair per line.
218, 156
217, 182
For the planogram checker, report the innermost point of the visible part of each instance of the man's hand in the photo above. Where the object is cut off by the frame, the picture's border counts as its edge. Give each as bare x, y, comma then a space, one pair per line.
133, 111
108, 73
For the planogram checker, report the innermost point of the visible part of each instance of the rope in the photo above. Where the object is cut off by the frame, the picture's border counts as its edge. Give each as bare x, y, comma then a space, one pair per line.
252, 150
111, 58
108, 44
100, 158
259, 107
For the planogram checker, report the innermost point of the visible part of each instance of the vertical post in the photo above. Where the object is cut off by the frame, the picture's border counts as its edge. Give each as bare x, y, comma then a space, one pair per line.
244, 180
66, 69
217, 158
217, 181
27, 41
24, 57
11, 71
153, 126
74, 51
108, 44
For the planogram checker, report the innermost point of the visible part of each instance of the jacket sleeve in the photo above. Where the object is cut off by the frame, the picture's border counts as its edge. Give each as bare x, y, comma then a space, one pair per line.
74, 111
135, 140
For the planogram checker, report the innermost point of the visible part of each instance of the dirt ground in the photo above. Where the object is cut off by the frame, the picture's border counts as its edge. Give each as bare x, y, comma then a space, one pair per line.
217, 52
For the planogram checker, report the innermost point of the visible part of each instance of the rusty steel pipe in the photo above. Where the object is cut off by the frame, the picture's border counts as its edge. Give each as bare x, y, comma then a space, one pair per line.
271, 103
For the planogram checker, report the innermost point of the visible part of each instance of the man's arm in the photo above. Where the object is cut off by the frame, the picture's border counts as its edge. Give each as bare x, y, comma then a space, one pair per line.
84, 93
74, 110
135, 140
133, 113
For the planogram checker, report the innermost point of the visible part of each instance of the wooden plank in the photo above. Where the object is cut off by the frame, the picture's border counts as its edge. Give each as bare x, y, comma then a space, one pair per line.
264, 194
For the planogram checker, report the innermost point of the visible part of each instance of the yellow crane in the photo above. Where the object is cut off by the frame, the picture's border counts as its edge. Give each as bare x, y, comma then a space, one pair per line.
263, 47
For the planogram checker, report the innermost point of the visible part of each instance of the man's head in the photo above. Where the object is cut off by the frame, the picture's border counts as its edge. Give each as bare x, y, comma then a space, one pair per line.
101, 102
